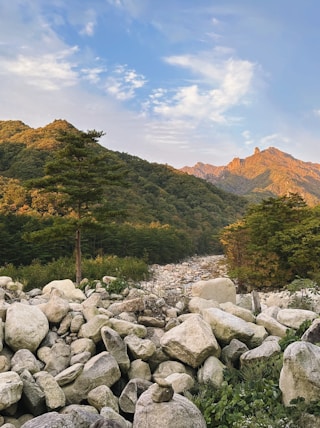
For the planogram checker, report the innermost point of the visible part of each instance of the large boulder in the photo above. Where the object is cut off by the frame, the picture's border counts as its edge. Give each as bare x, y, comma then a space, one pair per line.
50, 420
266, 350
67, 287
211, 372
116, 346
226, 327
272, 326
179, 412
242, 313
56, 308
300, 374
219, 289
25, 328
191, 342
102, 369
293, 318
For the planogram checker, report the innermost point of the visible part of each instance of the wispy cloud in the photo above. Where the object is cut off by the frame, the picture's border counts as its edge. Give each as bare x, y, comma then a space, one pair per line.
123, 82
49, 71
274, 139
220, 84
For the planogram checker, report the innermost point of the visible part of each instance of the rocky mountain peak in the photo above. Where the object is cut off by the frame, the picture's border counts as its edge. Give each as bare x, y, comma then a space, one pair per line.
265, 173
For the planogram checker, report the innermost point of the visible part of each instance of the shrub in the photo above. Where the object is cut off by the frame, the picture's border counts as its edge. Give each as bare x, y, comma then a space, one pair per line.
294, 335
37, 275
248, 398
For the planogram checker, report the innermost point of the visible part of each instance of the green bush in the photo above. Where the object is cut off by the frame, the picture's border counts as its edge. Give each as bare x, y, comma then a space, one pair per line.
294, 335
250, 398
37, 275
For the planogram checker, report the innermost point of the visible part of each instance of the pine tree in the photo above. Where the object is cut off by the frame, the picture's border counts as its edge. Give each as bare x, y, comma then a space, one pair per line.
77, 175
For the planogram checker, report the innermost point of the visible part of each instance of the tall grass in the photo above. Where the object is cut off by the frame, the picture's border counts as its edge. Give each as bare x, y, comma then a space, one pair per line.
37, 275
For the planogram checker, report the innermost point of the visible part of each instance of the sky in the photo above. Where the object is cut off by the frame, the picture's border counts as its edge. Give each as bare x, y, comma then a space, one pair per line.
171, 81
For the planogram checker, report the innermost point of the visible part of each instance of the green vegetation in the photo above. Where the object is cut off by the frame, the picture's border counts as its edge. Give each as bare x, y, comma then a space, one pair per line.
251, 398
275, 242
37, 274
76, 178
247, 398
161, 215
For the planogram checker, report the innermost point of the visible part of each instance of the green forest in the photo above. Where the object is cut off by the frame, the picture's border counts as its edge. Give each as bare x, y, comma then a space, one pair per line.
56, 180
275, 243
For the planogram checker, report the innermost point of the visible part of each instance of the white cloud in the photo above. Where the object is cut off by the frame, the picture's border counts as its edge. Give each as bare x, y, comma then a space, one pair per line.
49, 71
123, 83
93, 75
221, 84
274, 139
88, 29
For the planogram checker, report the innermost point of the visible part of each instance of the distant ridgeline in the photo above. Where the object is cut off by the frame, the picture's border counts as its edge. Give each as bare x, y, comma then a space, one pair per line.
266, 173
161, 214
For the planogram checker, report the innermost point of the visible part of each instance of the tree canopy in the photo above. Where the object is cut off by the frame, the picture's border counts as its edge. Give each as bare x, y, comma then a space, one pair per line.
77, 176
276, 241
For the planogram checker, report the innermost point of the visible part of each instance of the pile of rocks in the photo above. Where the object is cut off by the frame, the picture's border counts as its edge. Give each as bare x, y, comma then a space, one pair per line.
70, 358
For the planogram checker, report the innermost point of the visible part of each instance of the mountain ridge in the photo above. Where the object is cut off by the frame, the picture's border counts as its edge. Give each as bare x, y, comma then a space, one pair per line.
265, 173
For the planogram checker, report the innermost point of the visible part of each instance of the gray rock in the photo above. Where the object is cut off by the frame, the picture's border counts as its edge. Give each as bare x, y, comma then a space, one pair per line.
293, 318
69, 374
226, 327
111, 416
300, 374
179, 412
191, 342
131, 393
33, 397
54, 396
140, 348
92, 328
50, 420
211, 372
56, 308
102, 396
312, 334
230, 354
102, 369
266, 350
219, 289
24, 359
116, 346
58, 359
68, 288
161, 393
139, 369
26, 327
10, 389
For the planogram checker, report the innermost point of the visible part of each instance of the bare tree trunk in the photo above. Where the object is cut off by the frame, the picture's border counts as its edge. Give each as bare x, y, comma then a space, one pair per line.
256, 302
78, 256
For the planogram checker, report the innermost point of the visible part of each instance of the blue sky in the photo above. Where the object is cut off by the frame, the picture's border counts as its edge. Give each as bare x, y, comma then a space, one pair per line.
170, 81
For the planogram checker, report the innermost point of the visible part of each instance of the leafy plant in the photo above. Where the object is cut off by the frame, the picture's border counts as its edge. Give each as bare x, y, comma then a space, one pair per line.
247, 398
117, 286
294, 335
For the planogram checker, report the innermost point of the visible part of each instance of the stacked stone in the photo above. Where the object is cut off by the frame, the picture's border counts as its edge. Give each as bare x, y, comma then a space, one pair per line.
90, 359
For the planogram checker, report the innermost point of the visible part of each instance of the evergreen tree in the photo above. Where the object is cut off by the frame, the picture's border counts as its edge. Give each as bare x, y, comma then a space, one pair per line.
268, 246
77, 175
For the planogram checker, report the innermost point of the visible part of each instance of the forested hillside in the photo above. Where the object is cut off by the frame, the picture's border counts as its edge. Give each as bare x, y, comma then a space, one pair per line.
160, 214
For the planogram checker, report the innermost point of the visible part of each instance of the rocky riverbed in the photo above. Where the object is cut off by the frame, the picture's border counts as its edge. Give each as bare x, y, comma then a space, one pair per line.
177, 279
